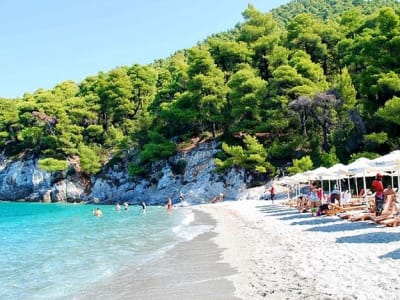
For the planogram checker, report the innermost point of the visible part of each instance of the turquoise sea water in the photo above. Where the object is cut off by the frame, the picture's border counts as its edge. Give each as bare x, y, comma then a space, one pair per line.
53, 251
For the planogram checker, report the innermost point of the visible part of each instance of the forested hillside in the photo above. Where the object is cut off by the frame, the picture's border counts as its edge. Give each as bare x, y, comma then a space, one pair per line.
328, 9
312, 82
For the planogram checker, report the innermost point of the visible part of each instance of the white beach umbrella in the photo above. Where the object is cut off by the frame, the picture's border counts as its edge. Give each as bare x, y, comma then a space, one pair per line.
389, 162
338, 172
286, 180
309, 175
321, 173
298, 179
361, 167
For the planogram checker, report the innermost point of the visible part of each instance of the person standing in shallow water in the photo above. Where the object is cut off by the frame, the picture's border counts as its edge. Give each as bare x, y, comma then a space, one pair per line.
143, 206
169, 204
181, 197
97, 212
377, 187
221, 197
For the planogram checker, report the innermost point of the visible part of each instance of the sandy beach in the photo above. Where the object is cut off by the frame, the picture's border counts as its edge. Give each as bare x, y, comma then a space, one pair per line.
280, 253
258, 250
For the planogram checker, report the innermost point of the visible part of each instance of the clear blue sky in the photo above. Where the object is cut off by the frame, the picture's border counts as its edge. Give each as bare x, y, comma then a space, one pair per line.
45, 42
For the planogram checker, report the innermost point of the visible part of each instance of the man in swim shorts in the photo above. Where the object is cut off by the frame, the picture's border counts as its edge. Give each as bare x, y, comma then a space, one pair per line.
377, 187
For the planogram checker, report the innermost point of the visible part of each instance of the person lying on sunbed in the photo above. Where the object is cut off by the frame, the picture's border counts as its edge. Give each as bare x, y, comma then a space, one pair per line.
390, 210
391, 221
389, 192
362, 215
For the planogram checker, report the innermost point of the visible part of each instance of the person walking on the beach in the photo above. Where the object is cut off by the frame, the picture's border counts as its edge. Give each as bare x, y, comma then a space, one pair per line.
377, 187
313, 198
272, 193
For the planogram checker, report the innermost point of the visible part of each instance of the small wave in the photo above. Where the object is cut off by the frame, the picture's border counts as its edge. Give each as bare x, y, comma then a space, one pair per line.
187, 232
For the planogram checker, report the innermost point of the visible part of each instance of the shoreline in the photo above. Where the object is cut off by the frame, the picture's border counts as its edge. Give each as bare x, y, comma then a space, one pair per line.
192, 269
258, 250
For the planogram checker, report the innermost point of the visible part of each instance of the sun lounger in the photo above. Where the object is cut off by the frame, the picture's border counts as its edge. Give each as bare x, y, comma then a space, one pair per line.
381, 218
354, 201
335, 209
362, 216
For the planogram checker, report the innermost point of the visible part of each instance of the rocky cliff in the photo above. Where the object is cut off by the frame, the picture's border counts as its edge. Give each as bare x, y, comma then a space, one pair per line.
23, 181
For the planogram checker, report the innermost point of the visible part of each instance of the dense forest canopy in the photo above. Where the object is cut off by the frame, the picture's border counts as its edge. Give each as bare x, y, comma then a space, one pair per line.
314, 80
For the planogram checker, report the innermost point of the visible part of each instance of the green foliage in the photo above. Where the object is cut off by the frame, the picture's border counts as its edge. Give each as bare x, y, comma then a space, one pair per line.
52, 164
329, 159
253, 157
378, 138
345, 87
318, 78
90, 161
135, 169
325, 9
390, 112
95, 133
376, 141
369, 155
246, 95
30, 136
158, 148
300, 165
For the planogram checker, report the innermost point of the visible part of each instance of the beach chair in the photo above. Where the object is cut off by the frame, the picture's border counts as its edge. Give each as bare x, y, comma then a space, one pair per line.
381, 218
337, 209
363, 216
333, 209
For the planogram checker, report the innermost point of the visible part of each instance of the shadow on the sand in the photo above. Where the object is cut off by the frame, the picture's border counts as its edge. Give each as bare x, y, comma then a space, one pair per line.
278, 212
268, 209
296, 215
371, 238
393, 255
274, 206
316, 221
345, 226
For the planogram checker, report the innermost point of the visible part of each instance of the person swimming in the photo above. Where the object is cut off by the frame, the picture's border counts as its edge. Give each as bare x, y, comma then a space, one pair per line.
126, 205
117, 207
143, 204
97, 212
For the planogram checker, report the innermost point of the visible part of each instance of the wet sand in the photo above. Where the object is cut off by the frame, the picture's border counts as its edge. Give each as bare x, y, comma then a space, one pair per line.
192, 270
